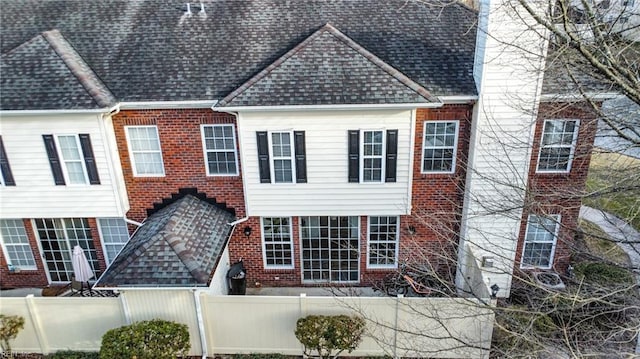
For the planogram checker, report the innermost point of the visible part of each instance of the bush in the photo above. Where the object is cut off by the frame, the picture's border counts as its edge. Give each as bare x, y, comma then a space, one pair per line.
326, 334
153, 339
72, 354
10, 326
603, 273
259, 356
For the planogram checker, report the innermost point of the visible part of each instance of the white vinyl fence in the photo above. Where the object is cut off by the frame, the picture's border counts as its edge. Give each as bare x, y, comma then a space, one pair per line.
399, 327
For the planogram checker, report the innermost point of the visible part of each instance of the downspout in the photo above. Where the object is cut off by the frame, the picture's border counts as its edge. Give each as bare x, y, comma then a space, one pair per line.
112, 112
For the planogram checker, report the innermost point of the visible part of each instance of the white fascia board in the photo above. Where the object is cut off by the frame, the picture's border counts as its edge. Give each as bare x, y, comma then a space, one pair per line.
55, 112
158, 105
463, 99
402, 106
579, 97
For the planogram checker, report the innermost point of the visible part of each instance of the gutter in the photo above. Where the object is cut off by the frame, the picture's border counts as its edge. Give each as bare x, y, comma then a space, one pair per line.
403, 106
104, 110
152, 105
579, 97
462, 99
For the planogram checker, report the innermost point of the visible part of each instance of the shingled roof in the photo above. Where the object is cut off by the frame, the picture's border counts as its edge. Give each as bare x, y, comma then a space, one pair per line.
152, 50
178, 246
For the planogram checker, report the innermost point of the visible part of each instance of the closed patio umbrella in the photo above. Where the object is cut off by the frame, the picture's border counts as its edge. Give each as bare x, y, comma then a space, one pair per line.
81, 269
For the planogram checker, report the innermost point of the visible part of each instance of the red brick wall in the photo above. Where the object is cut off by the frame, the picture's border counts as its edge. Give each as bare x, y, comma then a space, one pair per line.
25, 278
560, 193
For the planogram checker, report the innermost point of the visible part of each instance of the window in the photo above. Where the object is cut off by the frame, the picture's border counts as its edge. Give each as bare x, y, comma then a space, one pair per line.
540, 241
383, 242
220, 150
330, 249
58, 237
6, 177
277, 245
71, 159
16, 244
115, 235
144, 150
439, 146
557, 145
374, 159
282, 157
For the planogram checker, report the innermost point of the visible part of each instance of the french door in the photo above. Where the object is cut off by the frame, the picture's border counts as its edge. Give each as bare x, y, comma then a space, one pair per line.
330, 249
57, 238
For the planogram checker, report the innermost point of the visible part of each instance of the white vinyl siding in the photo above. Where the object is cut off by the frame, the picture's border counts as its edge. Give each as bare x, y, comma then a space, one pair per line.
557, 145
326, 143
540, 241
145, 151
372, 162
221, 158
72, 160
440, 141
115, 235
16, 244
281, 153
277, 243
383, 240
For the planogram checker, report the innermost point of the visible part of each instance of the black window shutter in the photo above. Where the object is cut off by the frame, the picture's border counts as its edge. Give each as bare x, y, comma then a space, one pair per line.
54, 161
301, 156
392, 156
354, 156
89, 159
263, 156
7, 176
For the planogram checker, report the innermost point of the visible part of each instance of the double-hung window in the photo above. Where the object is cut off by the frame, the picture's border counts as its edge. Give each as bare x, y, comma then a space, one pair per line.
540, 241
383, 242
372, 155
282, 157
557, 145
6, 177
277, 243
16, 244
439, 144
71, 159
219, 143
145, 151
115, 235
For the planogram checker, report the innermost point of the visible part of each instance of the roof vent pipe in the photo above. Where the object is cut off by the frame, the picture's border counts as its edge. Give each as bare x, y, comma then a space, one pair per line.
201, 7
188, 9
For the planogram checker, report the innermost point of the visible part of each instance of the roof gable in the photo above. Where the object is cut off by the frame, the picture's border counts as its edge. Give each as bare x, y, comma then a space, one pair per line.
47, 73
327, 68
177, 246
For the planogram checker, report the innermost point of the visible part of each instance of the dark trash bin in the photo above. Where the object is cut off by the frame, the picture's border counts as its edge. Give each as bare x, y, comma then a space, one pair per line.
237, 279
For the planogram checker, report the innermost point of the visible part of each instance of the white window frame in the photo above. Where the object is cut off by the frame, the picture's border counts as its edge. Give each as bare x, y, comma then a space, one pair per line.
382, 156
425, 147
396, 242
22, 236
64, 161
264, 245
206, 151
104, 244
556, 218
572, 146
273, 158
131, 152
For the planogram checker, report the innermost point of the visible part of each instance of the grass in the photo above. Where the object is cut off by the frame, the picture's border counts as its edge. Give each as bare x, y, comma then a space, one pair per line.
600, 245
613, 185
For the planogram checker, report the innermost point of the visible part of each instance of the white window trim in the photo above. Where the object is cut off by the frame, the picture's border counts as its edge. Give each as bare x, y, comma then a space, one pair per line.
131, 158
557, 219
103, 244
572, 150
6, 253
272, 158
63, 162
206, 151
264, 246
455, 147
382, 157
381, 266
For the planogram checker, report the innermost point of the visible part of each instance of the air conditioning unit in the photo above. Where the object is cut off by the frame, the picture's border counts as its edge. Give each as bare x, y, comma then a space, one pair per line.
550, 280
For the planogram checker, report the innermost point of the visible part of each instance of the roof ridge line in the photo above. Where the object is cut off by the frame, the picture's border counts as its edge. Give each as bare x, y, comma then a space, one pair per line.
79, 68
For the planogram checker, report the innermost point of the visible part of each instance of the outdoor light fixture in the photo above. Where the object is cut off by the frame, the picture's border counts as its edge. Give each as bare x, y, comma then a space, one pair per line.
247, 231
494, 290
412, 230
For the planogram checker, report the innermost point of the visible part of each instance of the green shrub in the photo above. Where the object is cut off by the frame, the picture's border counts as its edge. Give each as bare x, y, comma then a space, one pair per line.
259, 356
603, 273
329, 335
153, 339
72, 354
10, 326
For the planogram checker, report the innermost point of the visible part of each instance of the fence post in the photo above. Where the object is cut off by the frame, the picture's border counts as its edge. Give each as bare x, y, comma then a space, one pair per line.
302, 312
201, 327
125, 308
37, 326
395, 329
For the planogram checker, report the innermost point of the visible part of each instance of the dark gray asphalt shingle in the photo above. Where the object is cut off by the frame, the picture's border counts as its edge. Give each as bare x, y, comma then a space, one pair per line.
177, 246
149, 50
327, 68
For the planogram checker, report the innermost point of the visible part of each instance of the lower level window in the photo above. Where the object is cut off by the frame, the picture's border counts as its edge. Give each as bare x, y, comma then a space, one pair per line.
115, 235
540, 241
16, 244
277, 245
383, 242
